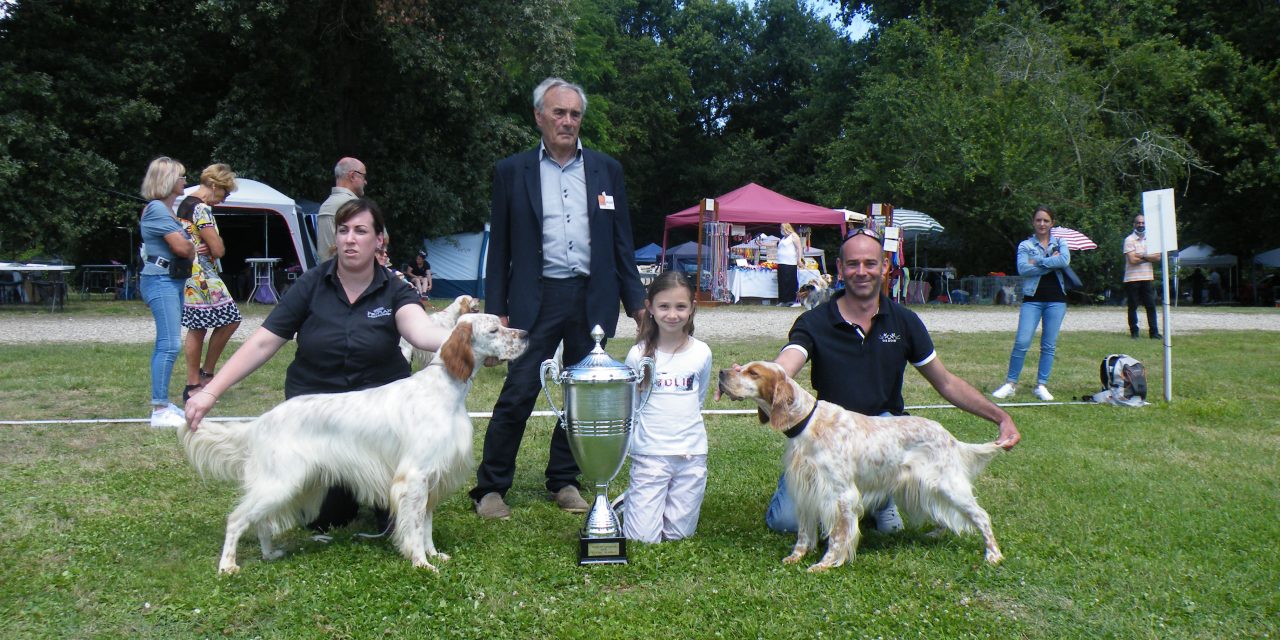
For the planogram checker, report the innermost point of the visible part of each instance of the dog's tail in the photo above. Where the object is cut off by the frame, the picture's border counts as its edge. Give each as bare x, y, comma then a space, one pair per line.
977, 456
218, 450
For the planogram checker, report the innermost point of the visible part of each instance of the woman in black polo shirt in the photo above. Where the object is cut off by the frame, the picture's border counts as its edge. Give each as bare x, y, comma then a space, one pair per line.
348, 316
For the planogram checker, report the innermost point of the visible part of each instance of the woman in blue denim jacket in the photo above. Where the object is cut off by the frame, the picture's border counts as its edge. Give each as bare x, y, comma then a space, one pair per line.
1041, 259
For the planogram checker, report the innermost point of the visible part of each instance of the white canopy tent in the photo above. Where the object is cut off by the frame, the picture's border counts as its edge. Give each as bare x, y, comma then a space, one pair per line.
1268, 258
1201, 255
1205, 255
256, 208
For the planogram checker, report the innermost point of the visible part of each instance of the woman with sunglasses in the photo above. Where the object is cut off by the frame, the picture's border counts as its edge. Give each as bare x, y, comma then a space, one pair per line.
1041, 259
164, 242
207, 306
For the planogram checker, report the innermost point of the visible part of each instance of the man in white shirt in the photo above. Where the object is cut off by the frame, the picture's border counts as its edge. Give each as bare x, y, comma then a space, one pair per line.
1138, 274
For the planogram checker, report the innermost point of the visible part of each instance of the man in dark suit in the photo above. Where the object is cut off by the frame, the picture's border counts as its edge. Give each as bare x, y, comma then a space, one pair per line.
560, 259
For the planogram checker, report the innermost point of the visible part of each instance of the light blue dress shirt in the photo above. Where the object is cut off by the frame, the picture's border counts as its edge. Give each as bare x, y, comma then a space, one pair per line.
566, 232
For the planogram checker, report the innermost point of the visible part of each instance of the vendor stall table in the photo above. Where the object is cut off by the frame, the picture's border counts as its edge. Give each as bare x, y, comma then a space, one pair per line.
46, 282
264, 288
762, 283
102, 278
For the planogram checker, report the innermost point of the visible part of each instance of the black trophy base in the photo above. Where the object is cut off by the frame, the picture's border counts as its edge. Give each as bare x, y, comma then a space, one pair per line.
602, 551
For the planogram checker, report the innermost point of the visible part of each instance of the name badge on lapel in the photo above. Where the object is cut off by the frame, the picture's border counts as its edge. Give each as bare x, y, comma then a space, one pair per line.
605, 200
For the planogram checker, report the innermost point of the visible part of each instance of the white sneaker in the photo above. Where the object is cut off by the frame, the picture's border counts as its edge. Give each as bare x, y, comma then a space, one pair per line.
1006, 390
167, 417
1043, 393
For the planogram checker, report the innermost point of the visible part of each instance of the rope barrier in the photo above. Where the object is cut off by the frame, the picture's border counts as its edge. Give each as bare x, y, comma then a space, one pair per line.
489, 414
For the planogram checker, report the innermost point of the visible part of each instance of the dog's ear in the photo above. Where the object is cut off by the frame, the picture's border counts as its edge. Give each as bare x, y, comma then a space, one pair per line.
783, 416
459, 359
764, 417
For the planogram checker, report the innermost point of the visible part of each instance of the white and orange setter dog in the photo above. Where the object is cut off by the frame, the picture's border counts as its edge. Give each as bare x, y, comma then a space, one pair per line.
840, 463
445, 318
405, 445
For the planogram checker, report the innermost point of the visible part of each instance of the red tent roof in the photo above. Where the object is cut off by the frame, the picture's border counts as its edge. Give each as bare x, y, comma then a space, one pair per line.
754, 204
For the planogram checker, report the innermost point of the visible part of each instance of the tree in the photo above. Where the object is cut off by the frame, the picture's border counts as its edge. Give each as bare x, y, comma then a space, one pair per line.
425, 93
979, 128
72, 126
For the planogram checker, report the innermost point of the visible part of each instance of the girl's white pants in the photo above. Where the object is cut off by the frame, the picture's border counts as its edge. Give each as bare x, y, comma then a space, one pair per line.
664, 498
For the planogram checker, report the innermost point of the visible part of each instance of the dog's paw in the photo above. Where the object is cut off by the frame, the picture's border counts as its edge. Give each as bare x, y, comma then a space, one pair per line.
793, 558
274, 554
994, 556
440, 557
228, 569
423, 564
820, 567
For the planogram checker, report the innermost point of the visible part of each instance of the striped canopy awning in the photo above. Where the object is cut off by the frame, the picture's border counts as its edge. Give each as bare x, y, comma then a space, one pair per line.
912, 223
1076, 241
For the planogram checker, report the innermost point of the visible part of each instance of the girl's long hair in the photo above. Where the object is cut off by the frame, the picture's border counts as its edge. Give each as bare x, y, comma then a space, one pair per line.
649, 332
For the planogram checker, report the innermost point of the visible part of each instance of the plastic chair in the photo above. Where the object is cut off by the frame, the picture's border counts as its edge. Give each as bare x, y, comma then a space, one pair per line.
11, 287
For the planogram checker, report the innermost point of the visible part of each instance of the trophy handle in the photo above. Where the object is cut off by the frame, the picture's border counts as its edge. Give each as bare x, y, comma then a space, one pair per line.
550, 366
646, 364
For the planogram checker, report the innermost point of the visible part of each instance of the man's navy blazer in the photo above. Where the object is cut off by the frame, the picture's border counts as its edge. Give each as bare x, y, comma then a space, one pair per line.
514, 263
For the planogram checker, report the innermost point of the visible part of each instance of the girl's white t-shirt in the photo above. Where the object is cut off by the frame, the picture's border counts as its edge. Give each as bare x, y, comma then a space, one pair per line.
671, 422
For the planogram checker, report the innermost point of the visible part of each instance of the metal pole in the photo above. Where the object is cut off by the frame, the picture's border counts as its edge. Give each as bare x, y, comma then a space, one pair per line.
1168, 331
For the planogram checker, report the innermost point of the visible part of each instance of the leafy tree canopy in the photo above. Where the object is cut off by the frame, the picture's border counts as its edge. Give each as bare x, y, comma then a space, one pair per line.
973, 111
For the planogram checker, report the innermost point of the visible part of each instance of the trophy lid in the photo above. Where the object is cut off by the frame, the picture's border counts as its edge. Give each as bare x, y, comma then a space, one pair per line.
598, 366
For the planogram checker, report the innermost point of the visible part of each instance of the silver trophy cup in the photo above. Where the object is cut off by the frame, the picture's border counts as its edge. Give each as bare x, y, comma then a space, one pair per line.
599, 408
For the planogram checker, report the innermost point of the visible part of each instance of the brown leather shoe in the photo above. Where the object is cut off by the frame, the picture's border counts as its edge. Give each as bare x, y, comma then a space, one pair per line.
570, 500
491, 507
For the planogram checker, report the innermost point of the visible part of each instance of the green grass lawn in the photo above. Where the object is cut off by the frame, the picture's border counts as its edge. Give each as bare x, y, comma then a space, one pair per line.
1121, 523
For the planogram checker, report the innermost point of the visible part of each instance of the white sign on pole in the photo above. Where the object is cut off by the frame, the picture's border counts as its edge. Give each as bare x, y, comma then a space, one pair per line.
1162, 223
1162, 237
890, 239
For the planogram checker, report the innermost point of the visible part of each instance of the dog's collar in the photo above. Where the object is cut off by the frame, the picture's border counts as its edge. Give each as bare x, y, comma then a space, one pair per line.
799, 428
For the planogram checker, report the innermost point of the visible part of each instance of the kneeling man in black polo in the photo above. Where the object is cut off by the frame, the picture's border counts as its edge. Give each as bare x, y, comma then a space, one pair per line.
860, 343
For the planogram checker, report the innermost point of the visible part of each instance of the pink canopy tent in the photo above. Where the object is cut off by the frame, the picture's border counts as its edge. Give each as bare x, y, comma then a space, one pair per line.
754, 204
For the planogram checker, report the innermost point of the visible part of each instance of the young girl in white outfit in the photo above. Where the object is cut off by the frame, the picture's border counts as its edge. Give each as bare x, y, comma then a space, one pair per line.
669, 441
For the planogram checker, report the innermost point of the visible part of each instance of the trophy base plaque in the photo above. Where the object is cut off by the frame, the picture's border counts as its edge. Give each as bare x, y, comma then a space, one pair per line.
612, 550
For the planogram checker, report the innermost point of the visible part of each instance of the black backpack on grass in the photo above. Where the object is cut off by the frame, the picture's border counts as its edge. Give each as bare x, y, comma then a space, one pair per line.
1124, 380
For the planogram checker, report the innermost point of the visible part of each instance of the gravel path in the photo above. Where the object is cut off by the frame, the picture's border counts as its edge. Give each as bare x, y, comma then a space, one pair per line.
715, 323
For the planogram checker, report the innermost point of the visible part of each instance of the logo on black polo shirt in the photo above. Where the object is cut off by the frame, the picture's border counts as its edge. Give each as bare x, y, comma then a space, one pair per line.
889, 337
380, 312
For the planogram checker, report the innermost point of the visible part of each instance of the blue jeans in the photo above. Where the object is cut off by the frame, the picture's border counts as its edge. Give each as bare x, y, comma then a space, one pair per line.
1030, 315
164, 296
781, 515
